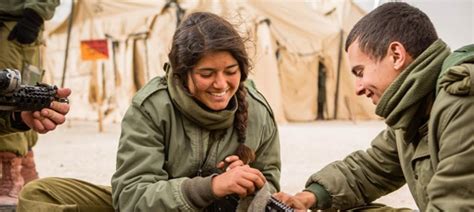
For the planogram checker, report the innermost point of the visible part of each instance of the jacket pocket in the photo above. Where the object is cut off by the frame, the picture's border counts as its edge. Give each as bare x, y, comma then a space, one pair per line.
422, 170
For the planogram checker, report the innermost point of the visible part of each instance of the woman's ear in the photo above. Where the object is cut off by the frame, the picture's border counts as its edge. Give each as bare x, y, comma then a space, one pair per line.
399, 54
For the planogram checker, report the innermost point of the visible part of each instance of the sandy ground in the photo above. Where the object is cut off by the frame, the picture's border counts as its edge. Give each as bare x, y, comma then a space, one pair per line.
78, 150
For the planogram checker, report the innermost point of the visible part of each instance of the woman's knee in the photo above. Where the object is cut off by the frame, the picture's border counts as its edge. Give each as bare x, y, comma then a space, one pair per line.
38, 189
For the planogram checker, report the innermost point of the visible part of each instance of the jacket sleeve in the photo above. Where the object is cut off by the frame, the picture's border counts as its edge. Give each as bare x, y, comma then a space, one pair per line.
261, 122
268, 155
140, 182
268, 161
44, 8
361, 177
7, 125
452, 185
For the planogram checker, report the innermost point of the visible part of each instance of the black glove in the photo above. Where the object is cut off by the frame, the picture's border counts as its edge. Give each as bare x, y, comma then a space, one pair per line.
17, 122
27, 28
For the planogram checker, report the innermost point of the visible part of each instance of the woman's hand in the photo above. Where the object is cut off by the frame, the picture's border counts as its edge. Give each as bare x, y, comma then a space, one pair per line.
231, 162
240, 180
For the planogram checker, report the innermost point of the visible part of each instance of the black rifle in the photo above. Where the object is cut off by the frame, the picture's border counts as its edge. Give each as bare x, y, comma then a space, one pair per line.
17, 97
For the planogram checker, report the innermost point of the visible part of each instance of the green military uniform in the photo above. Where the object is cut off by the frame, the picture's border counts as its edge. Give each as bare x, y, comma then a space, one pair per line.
428, 143
6, 123
16, 55
166, 139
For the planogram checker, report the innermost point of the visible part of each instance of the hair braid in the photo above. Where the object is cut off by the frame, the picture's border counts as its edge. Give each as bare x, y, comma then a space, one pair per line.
244, 152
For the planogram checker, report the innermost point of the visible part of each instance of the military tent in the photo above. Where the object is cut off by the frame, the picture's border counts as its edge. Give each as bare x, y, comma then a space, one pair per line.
293, 46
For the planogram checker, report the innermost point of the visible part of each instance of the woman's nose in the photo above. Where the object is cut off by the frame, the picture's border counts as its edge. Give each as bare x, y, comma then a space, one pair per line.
219, 81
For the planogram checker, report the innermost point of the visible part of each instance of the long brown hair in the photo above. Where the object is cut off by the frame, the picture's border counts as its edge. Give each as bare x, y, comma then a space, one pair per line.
203, 32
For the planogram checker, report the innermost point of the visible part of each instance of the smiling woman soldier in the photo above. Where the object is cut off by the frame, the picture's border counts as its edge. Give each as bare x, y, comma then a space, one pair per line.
197, 139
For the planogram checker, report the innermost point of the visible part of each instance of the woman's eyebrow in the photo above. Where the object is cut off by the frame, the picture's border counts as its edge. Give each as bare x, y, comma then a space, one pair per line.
213, 69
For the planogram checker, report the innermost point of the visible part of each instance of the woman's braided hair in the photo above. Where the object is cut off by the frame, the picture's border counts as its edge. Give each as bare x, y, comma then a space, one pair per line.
201, 33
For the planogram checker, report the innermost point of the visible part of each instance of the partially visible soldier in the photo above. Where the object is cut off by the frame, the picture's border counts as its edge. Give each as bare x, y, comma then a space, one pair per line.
426, 95
21, 26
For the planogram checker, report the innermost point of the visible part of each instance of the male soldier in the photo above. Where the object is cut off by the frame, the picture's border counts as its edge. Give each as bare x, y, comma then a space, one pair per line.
21, 25
400, 63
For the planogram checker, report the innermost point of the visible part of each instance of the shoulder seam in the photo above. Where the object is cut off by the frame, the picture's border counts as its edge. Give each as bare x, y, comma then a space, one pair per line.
260, 98
145, 92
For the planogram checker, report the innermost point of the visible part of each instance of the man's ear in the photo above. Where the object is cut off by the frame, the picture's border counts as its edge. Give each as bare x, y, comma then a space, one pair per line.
399, 55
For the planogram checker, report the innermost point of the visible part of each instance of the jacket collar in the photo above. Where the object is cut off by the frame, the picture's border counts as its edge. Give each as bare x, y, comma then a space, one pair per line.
402, 99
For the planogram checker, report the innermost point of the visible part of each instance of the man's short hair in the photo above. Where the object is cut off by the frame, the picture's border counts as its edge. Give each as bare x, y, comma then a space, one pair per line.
394, 21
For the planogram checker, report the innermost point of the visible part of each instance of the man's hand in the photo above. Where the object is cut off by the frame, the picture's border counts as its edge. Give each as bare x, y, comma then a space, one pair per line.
301, 201
48, 118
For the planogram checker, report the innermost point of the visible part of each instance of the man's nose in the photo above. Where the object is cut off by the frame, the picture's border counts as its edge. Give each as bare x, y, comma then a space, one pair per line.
359, 88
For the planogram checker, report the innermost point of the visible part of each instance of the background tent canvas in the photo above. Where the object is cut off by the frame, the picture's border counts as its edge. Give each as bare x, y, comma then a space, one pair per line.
289, 45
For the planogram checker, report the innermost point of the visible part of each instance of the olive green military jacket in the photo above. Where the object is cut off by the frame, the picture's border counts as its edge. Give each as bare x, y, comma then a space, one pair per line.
12, 10
433, 154
160, 150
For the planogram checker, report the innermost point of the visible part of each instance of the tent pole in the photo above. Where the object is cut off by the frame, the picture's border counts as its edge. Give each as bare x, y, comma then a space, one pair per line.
68, 38
338, 76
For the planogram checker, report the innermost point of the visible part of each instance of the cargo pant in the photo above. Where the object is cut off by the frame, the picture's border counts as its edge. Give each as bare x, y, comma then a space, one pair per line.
72, 195
18, 56
64, 194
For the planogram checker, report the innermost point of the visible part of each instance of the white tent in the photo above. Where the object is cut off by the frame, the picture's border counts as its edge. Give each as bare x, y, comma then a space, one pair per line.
289, 41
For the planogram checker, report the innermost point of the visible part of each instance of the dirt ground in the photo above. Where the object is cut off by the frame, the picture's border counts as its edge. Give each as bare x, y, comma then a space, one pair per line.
78, 150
